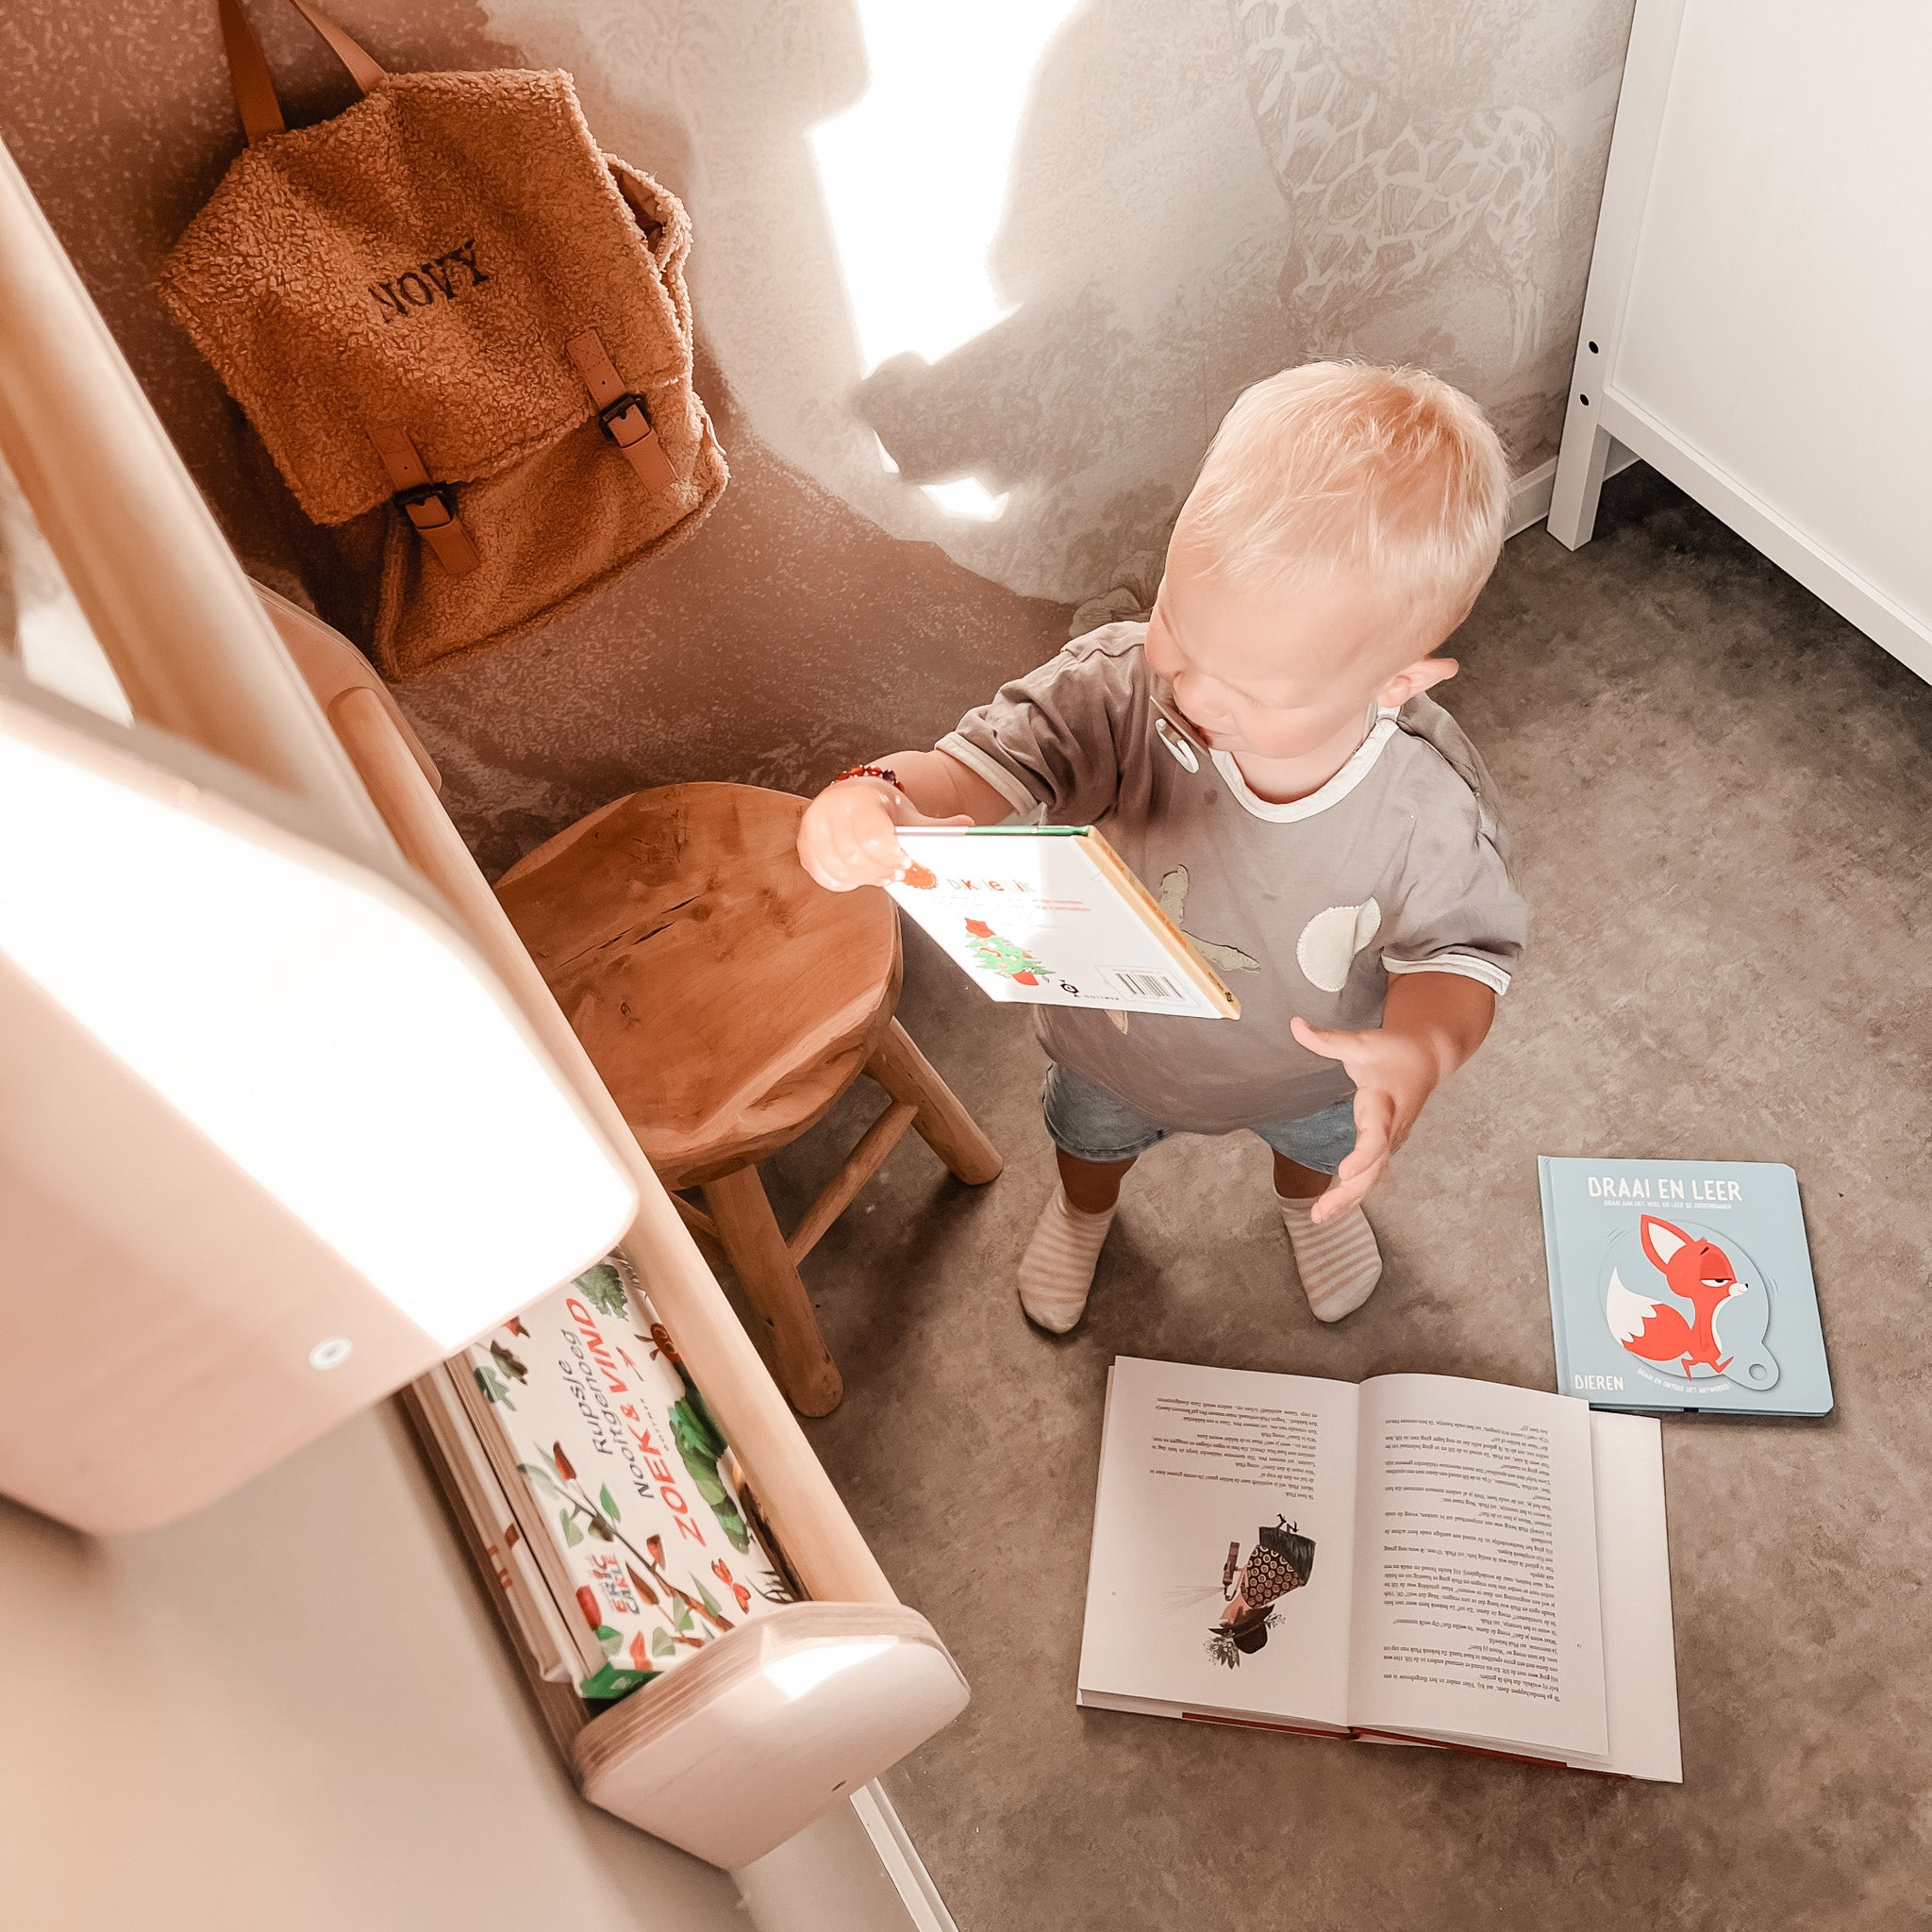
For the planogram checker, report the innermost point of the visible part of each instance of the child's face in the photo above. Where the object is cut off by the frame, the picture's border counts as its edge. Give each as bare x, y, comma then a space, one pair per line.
1277, 675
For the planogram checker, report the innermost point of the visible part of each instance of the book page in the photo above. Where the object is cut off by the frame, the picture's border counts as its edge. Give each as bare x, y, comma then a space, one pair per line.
1633, 1571
1032, 914
1477, 1612
1223, 1544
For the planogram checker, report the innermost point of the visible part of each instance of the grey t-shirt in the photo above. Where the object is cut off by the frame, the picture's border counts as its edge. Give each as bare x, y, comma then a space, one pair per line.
1397, 864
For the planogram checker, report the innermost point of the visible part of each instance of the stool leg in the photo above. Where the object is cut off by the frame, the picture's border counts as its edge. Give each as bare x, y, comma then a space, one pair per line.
943, 1124
749, 1232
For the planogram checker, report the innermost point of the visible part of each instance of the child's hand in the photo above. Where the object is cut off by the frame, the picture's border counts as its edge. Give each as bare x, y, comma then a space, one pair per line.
1432, 1023
1394, 1075
849, 835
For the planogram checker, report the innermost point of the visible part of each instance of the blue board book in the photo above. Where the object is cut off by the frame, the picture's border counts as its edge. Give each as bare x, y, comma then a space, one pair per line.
1683, 1284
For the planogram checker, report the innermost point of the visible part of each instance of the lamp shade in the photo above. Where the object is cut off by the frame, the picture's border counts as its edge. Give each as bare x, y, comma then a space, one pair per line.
271, 1136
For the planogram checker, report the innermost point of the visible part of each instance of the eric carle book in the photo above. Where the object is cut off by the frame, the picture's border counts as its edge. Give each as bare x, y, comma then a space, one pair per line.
1048, 915
1683, 1284
588, 1405
1416, 1560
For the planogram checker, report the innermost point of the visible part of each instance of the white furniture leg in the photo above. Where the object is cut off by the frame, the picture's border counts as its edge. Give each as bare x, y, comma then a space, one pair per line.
1580, 469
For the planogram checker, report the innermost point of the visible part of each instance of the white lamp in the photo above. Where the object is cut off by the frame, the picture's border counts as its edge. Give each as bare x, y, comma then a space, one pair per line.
375, 1160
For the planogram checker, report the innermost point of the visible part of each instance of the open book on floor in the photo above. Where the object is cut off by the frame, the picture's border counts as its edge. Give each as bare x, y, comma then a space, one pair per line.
1049, 915
1418, 1559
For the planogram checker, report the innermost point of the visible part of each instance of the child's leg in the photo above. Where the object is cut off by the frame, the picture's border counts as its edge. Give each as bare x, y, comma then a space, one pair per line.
1294, 1182
1096, 1140
1339, 1262
1094, 1185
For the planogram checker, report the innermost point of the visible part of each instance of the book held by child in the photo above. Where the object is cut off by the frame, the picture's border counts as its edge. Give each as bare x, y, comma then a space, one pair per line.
1048, 915
1418, 1559
1683, 1286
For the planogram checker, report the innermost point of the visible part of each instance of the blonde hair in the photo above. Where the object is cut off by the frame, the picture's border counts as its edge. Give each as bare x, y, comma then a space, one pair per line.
1341, 468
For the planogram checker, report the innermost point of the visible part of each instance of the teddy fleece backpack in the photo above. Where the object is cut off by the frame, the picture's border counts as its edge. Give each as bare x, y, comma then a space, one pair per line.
464, 335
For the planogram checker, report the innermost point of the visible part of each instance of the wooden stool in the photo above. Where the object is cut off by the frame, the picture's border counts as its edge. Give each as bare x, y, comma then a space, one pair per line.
727, 1002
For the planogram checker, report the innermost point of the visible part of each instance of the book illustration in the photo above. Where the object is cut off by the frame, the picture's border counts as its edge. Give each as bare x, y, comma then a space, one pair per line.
1173, 900
1048, 915
1683, 1284
1652, 1325
603, 1288
1281, 1560
611, 1437
1695, 1270
993, 954
701, 1447
615, 1578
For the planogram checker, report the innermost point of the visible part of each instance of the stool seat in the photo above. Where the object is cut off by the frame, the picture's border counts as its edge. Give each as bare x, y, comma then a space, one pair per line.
726, 999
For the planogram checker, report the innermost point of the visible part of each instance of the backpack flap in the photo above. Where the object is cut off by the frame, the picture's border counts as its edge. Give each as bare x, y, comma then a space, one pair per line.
409, 277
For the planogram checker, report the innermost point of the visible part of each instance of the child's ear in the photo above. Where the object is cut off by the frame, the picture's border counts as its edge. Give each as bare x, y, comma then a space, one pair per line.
1416, 679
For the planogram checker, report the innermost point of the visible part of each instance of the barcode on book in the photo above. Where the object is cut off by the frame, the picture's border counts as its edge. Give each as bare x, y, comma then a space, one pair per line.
1144, 986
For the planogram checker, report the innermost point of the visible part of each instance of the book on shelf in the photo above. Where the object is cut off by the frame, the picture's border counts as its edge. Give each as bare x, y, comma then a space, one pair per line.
504, 1541
1416, 1560
1050, 916
623, 1486
1683, 1286
469, 1386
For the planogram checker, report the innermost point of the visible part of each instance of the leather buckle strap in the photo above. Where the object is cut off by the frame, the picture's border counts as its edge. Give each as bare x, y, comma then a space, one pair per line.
624, 414
429, 507
432, 513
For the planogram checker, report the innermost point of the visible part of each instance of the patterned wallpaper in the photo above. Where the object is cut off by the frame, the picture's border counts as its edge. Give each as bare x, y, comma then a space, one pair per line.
1197, 192
1173, 199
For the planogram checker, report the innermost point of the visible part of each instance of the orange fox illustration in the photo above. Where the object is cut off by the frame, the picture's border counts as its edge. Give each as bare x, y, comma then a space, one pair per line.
1697, 1271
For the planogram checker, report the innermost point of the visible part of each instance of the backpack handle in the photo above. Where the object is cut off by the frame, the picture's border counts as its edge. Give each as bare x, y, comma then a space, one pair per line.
248, 70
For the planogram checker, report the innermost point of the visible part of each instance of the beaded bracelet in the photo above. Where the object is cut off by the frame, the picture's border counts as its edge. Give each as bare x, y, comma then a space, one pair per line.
890, 777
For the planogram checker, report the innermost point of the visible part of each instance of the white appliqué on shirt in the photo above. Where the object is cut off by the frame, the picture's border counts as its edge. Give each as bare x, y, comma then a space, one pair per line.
1330, 941
1172, 901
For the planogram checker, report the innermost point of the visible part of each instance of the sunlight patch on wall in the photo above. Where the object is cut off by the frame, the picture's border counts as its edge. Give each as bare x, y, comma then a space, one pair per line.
914, 176
967, 497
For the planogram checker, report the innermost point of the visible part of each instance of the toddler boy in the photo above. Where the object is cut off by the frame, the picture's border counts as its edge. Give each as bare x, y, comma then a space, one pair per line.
1261, 754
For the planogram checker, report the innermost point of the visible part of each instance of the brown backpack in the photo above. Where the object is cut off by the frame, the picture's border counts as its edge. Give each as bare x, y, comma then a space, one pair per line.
462, 332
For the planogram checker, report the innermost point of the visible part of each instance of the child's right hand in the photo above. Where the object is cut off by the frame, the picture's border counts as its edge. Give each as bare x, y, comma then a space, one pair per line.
849, 835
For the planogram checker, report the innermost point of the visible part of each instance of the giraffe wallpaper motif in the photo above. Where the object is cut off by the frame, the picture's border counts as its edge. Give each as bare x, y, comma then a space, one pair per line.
1379, 202
1198, 192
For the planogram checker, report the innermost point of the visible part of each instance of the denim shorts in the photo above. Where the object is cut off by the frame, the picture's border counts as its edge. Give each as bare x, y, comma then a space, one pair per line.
1087, 1122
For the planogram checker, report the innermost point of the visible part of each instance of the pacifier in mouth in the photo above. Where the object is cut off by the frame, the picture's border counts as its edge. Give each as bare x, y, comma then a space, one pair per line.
1175, 741
1183, 744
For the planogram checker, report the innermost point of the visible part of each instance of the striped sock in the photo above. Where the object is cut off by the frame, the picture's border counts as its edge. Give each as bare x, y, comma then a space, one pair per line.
1057, 1270
1338, 1261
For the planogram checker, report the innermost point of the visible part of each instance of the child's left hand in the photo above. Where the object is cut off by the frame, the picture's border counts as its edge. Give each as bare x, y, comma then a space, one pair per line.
1394, 1074
1432, 1023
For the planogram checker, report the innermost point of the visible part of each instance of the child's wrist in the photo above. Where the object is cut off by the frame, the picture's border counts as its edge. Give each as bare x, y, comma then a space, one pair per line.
1433, 1059
884, 773
880, 780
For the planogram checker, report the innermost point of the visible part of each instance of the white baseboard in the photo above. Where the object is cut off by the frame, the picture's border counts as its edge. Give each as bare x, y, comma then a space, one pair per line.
1529, 494
924, 1908
854, 1870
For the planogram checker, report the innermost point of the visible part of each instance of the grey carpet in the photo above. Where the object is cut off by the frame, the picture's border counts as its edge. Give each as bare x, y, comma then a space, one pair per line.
1723, 800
